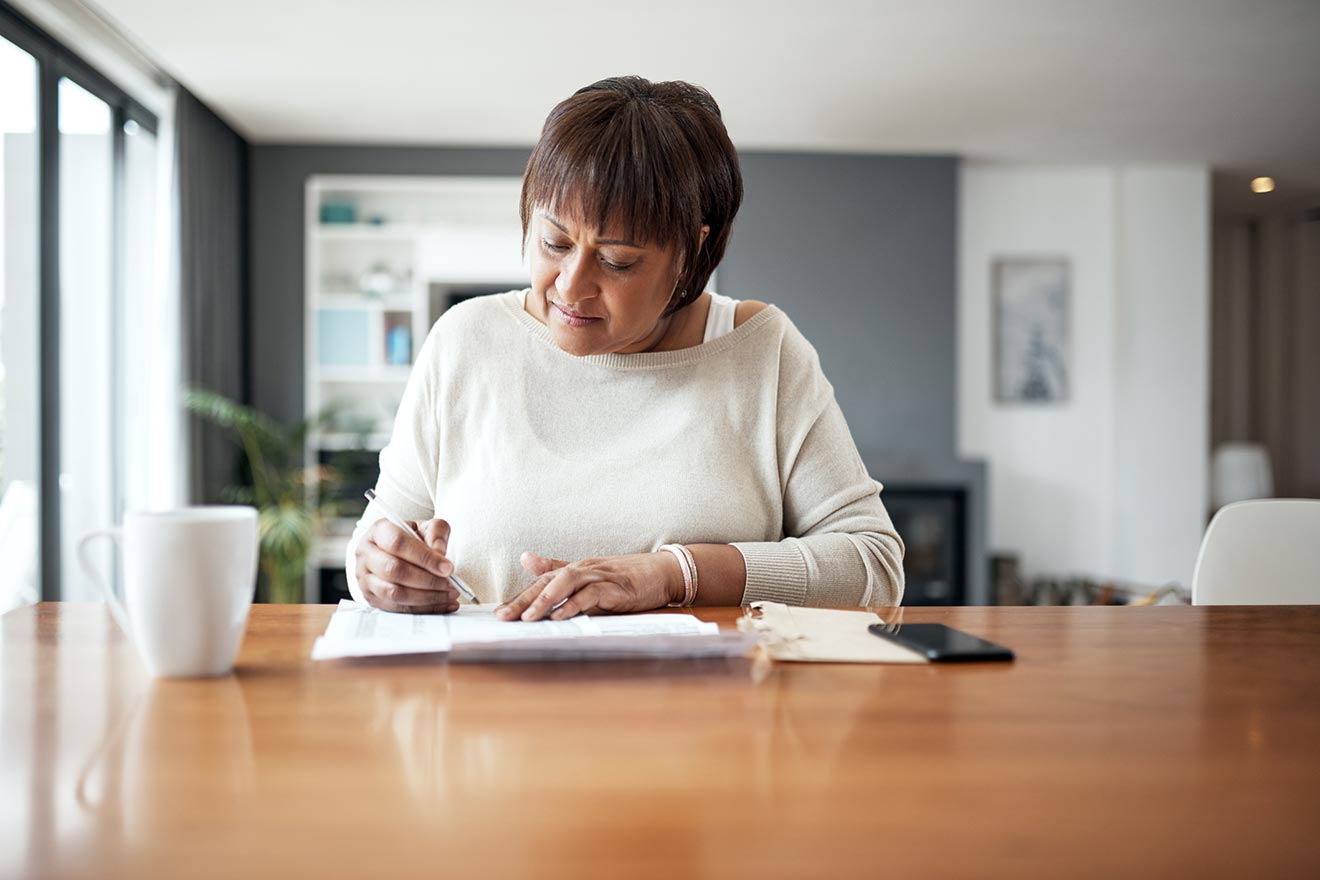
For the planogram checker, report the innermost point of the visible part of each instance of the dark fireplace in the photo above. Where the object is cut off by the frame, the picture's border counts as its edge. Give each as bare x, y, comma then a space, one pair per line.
939, 511
933, 525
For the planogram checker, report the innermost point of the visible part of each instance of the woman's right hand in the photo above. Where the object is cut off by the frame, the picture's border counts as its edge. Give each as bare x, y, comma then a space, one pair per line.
397, 573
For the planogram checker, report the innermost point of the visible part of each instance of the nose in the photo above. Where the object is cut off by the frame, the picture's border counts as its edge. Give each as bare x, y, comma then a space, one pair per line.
575, 281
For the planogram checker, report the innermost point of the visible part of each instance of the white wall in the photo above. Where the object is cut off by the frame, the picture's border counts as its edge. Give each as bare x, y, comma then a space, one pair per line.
1162, 372
1111, 483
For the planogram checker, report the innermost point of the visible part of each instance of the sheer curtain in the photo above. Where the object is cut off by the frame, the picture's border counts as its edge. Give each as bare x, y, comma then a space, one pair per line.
152, 420
1265, 361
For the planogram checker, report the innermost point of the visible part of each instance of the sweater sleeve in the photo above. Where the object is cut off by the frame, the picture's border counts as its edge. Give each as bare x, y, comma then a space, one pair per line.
408, 464
840, 548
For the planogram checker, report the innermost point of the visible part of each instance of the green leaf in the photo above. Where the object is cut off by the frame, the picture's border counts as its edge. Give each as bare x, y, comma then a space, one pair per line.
236, 418
281, 487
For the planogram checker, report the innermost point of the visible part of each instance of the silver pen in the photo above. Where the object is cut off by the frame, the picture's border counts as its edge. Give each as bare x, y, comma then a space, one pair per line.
398, 521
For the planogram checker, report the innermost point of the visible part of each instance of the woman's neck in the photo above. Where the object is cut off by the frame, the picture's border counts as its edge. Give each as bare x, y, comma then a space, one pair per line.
687, 327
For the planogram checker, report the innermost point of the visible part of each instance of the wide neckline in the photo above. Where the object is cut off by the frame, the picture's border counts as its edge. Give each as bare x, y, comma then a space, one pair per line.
513, 301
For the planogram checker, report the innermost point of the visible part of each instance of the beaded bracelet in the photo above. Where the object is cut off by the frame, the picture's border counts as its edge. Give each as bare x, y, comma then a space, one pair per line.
689, 568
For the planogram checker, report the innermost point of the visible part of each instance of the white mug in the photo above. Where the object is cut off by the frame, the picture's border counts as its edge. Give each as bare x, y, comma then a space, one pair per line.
189, 575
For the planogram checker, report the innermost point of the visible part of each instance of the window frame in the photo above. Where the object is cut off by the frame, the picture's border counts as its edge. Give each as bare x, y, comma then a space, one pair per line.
55, 62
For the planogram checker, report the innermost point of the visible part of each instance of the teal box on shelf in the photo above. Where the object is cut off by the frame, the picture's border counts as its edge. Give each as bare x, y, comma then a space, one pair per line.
341, 337
338, 212
398, 346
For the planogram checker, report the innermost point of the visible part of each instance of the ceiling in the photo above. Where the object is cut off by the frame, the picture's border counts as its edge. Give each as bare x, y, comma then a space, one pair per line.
1233, 84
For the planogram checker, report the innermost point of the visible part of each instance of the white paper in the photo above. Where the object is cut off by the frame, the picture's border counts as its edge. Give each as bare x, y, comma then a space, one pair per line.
474, 633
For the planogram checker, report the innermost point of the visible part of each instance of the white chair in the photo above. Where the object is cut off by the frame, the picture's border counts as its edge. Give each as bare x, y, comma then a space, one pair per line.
1260, 553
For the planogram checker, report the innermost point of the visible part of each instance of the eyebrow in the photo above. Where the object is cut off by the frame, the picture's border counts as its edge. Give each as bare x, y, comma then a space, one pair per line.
598, 241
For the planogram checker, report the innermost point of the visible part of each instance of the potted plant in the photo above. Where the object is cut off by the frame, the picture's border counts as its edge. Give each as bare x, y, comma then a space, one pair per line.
289, 495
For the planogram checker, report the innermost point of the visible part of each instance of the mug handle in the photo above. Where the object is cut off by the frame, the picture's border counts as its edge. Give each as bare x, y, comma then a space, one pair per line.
117, 609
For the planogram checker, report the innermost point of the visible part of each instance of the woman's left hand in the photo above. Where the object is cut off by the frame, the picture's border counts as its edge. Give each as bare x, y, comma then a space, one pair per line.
610, 585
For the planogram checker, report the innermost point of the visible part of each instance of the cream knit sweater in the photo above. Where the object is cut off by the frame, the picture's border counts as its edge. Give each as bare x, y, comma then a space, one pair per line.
522, 446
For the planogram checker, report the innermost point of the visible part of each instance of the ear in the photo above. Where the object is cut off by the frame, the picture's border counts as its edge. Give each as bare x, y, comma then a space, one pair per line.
679, 259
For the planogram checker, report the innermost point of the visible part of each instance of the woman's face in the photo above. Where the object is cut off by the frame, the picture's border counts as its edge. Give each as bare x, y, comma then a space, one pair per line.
600, 293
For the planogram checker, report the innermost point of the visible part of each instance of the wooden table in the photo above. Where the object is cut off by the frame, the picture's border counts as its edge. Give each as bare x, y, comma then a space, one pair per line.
1123, 742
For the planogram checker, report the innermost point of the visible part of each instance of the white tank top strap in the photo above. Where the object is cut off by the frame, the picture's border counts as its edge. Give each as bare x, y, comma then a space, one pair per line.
720, 320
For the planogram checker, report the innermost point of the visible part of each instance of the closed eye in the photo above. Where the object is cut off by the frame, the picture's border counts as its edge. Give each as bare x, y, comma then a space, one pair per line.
554, 248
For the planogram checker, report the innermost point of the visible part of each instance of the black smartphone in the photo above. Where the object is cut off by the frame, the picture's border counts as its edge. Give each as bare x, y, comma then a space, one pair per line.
941, 644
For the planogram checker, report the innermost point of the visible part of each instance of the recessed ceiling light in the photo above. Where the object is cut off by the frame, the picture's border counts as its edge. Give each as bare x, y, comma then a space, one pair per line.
1262, 185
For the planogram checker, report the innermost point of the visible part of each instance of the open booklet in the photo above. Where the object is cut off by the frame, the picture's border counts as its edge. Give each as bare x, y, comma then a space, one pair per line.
473, 633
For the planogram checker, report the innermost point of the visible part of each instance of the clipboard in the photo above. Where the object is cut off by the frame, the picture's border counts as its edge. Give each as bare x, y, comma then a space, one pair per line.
821, 635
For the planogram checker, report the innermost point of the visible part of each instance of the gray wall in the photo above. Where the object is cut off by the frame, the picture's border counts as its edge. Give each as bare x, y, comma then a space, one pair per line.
858, 250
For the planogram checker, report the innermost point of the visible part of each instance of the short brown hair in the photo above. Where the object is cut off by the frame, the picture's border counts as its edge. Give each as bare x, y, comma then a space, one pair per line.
653, 157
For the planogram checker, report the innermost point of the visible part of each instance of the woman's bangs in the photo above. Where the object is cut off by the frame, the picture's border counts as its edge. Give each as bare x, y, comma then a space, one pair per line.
604, 183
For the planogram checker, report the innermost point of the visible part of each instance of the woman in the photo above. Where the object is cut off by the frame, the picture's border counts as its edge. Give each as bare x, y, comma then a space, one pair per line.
614, 438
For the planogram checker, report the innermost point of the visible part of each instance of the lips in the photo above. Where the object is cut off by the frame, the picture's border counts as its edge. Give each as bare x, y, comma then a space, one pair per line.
572, 318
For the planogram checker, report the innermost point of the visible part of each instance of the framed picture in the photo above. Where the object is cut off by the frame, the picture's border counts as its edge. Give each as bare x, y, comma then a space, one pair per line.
1031, 346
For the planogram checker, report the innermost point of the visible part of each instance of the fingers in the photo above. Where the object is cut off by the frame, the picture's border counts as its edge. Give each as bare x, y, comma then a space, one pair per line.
539, 565
391, 597
563, 583
400, 572
584, 601
634, 582
435, 532
406, 546
397, 572
542, 566
514, 608
556, 588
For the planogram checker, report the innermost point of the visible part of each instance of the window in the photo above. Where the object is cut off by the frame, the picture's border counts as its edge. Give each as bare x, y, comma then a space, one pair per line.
20, 391
78, 233
87, 338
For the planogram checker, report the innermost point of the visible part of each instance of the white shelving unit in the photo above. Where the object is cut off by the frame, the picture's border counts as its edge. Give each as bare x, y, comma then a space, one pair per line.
385, 256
